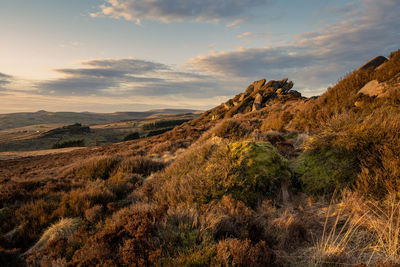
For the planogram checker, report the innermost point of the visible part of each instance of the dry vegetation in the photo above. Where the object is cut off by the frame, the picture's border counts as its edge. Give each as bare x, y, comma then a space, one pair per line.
314, 185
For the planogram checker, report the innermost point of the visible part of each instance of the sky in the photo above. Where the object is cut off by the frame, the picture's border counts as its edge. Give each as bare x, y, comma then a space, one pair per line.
134, 55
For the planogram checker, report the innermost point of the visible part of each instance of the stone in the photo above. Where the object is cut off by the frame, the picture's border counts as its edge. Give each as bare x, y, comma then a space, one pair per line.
279, 91
294, 93
229, 104
373, 88
243, 96
250, 89
373, 63
258, 84
257, 104
287, 86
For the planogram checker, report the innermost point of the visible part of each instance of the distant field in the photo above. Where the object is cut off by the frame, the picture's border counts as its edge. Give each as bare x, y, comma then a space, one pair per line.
17, 120
43, 136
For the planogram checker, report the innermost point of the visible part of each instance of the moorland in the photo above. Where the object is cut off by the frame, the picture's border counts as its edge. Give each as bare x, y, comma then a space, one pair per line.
268, 178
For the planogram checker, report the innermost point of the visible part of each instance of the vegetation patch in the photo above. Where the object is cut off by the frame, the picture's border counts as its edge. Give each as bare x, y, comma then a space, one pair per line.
69, 143
246, 170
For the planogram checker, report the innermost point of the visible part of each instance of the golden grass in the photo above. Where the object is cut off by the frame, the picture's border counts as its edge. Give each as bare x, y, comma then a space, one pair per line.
64, 228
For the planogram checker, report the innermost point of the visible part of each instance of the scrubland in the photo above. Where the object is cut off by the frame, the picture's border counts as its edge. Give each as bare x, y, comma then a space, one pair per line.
301, 182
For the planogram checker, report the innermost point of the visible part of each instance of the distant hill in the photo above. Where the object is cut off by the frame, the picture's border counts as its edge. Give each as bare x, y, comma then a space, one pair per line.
15, 120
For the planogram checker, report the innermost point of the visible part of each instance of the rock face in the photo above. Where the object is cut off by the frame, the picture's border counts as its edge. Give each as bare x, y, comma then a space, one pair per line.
258, 95
373, 63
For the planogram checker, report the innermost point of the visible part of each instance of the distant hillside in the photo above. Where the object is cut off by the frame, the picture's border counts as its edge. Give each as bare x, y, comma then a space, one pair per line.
15, 120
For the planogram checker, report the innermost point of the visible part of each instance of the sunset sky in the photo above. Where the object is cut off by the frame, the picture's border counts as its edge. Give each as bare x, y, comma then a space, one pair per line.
131, 55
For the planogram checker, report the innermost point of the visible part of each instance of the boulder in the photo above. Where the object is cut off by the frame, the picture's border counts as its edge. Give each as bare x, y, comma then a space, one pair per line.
258, 85
373, 63
250, 89
287, 86
373, 88
257, 104
294, 93
229, 104
243, 96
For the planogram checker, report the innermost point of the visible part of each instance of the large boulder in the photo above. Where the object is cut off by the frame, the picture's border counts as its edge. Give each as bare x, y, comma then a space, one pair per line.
373, 63
373, 88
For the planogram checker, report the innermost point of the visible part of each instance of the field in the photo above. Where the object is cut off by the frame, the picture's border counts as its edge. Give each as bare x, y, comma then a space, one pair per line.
43, 136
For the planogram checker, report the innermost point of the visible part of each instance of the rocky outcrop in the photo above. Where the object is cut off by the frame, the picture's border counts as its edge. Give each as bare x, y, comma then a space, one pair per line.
258, 95
373, 63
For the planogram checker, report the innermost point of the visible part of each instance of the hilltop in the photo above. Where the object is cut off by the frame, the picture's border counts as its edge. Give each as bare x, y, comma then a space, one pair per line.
267, 178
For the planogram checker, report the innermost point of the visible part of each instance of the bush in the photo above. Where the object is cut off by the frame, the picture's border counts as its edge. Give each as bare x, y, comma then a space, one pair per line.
69, 143
247, 170
235, 252
230, 129
163, 124
321, 172
62, 229
132, 136
97, 168
78, 201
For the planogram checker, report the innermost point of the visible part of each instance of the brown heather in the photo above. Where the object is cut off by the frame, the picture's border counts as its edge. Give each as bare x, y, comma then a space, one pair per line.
327, 191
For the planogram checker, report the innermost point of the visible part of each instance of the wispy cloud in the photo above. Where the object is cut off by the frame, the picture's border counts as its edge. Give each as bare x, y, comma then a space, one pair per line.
4, 80
315, 59
172, 10
131, 77
245, 34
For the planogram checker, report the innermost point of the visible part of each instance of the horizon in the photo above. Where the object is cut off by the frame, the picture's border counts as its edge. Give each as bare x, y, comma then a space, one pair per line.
106, 56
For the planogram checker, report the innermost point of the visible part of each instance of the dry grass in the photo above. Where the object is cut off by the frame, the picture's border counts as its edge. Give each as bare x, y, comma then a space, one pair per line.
62, 229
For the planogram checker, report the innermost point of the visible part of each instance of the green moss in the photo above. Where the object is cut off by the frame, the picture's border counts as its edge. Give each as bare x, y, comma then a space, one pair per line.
246, 170
321, 172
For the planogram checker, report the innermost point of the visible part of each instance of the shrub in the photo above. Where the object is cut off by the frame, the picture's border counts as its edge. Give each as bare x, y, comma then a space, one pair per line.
230, 129
231, 218
64, 228
77, 201
128, 238
163, 124
235, 252
97, 168
321, 172
132, 136
139, 165
247, 170
69, 143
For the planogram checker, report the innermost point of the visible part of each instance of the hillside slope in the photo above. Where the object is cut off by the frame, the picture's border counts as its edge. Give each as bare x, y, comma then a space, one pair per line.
268, 178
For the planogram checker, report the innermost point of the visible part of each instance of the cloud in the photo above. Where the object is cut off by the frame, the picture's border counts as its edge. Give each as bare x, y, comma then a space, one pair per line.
130, 77
245, 34
315, 59
4, 79
172, 10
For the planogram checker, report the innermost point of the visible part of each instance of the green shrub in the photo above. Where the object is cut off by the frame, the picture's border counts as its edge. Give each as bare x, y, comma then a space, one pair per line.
321, 172
246, 170
69, 143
